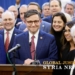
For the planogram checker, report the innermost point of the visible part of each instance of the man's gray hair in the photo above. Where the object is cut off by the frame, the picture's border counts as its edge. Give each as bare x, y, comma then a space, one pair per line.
45, 4
8, 12
23, 6
2, 8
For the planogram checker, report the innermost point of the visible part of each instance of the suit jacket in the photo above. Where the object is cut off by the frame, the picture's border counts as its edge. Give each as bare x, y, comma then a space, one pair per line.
2, 51
48, 19
45, 26
15, 32
22, 26
17, 21
46, 49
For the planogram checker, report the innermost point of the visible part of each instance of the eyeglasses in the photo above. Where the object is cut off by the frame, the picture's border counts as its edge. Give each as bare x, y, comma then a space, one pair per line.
66, 30
31, 22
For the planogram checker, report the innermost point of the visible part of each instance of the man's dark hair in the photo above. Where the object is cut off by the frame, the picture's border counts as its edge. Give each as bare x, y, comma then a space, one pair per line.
59, 1
30, 13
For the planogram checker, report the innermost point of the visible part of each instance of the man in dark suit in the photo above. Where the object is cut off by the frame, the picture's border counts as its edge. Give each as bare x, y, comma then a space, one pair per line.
17, 5
8, 20
43, 45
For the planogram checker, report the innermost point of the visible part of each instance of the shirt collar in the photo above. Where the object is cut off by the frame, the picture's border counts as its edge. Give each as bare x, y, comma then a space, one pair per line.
11, 31
17, 5
36, 34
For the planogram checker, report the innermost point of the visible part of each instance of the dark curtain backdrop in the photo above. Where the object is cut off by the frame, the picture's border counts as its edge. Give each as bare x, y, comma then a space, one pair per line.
6, 3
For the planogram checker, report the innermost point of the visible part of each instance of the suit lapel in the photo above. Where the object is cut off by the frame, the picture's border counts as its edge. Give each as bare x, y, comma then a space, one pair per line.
3, 35
12, 39
27, 44
39, 43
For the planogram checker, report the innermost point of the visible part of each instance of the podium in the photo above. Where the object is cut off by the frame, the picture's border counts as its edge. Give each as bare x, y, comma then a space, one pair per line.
7, 69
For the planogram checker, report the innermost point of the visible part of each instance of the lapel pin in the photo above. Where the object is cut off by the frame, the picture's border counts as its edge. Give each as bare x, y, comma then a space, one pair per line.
15, 34
41, 37
42, 25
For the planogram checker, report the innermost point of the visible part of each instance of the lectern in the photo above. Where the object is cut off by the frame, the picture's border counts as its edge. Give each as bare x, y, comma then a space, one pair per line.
7, 69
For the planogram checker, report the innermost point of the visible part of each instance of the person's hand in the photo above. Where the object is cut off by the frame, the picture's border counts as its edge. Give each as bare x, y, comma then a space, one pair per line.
28, 61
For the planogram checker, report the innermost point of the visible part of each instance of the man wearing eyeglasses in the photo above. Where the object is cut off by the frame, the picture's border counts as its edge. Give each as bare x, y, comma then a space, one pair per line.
34, 41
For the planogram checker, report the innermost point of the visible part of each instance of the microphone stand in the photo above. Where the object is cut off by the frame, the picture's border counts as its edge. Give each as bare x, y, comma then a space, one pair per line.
14, 68
13, 64
36, 62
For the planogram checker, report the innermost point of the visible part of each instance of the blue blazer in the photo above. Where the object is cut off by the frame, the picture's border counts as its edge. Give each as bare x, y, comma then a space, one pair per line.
48, 19
45, 26
46, 49
17, 21
15, 32
2, 51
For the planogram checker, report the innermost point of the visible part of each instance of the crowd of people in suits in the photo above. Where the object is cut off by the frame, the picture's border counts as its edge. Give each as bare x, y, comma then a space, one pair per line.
48, 32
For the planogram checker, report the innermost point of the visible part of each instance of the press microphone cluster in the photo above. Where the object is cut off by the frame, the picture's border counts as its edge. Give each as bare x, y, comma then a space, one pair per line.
14, 48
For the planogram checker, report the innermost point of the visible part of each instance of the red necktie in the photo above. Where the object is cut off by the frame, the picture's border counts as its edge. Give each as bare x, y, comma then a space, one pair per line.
7, 41
32, 47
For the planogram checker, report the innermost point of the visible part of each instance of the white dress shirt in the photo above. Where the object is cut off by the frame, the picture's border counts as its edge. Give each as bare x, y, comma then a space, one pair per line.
17, 6
35, 39
10, 35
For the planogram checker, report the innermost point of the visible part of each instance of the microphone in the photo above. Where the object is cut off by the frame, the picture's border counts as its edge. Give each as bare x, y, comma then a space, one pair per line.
14, 48
36, 62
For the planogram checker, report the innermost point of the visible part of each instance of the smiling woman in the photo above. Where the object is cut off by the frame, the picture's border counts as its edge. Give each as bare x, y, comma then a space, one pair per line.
68, 52
58, 22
